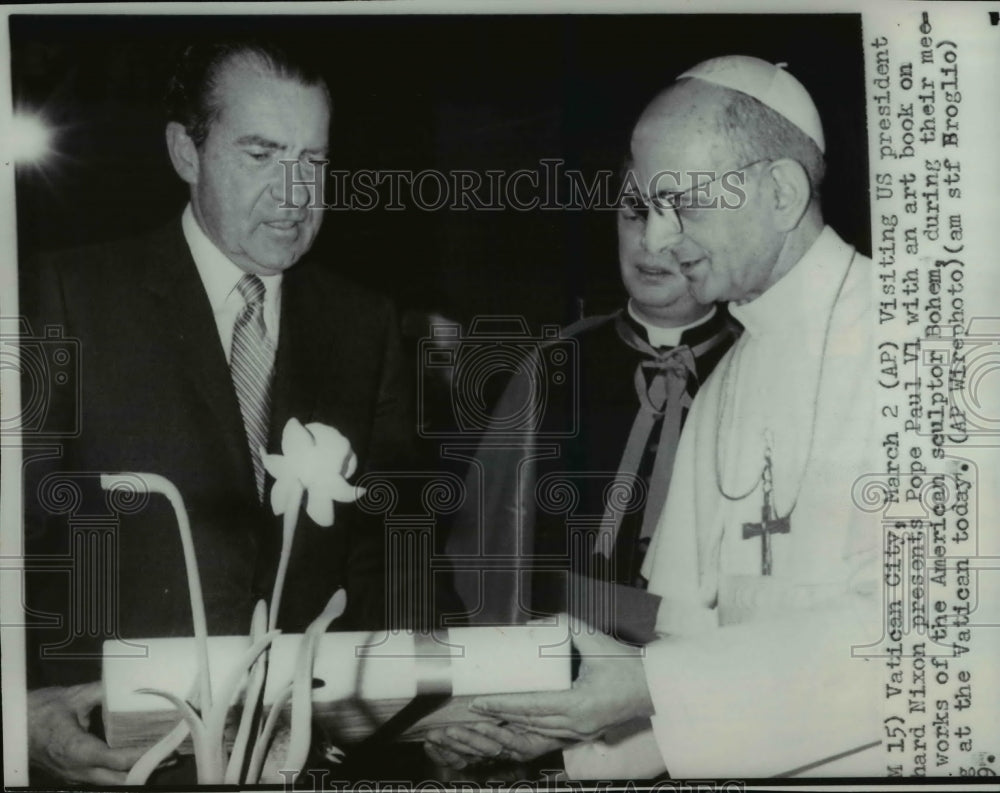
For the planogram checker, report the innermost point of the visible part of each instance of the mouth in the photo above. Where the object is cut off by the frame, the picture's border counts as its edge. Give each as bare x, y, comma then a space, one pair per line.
282, 225
652, 271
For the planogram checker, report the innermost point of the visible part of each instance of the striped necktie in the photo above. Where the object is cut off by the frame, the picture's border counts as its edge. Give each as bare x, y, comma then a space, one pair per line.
250, 365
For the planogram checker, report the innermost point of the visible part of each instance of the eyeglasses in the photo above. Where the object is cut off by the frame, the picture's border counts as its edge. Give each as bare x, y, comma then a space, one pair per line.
683, 201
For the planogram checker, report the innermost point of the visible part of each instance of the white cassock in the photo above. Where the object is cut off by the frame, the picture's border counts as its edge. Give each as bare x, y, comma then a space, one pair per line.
754, 675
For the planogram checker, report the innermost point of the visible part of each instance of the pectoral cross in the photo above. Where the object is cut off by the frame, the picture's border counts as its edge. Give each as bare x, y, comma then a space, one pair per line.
770, 523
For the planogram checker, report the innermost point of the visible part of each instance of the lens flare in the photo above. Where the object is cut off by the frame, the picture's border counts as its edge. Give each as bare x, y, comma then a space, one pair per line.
29, 140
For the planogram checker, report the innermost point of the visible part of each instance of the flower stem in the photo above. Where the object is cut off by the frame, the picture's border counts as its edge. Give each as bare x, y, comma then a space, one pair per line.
160, 484
291, 519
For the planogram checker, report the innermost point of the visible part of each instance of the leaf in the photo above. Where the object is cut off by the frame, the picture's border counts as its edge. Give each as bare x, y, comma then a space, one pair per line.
264, 739
207, 773
215, 722
298, 744
333, 754
157, 753
252, 699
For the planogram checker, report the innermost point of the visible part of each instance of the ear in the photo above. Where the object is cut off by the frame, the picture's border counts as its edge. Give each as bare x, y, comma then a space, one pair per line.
792, 193
183, 153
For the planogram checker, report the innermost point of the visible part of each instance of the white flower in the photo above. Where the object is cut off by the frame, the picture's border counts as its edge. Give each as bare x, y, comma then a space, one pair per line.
316, 459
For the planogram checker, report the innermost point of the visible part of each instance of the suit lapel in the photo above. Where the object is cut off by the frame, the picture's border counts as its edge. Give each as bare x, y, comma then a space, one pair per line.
183, 315
312, 351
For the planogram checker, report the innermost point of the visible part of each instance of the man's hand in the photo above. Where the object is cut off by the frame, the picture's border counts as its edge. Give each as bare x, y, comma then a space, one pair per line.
610, 689
58, 741
479, 742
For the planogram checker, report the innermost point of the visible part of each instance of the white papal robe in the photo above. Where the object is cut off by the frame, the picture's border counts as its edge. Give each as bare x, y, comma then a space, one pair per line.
754, 676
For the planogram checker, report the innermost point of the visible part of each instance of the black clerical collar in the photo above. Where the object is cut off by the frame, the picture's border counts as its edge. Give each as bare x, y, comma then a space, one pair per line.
692, 335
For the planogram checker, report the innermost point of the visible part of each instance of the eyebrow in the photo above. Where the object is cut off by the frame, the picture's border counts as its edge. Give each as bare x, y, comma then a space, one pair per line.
672, 195
257, 140
266, 143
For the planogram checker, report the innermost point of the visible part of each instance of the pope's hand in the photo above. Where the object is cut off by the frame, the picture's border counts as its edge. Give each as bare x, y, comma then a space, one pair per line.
610, 689
459, 746
59, 743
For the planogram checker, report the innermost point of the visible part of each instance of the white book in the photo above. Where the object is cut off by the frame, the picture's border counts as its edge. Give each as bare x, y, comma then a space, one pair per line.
360, 679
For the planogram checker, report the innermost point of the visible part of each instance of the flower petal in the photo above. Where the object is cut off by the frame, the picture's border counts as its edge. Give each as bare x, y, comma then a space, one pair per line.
322, 471
274, 464
329, 438
344, 492
295, 439
317, 458
284, 492
278, 499
320, 509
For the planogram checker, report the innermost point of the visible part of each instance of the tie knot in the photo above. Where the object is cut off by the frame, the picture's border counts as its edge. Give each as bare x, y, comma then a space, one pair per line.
251, 288
673, 360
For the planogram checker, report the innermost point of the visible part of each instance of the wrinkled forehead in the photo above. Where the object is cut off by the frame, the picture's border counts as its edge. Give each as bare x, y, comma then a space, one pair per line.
260, 102
246, 77
679, 132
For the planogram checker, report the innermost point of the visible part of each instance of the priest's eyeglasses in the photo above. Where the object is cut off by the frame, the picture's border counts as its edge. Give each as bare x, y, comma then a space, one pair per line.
698, 197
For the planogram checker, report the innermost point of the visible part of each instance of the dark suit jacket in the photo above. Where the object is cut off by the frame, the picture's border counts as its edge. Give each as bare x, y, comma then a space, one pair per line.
541, 534
155, 396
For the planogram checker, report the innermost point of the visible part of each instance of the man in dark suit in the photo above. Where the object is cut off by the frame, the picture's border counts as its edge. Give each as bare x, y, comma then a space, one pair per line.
198, 342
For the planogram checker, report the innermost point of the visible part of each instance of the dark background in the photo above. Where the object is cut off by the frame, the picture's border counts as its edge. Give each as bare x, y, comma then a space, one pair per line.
414, 92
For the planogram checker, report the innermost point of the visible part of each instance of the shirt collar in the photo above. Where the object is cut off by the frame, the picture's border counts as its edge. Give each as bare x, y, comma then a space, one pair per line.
218, 272
798, 297
667, 337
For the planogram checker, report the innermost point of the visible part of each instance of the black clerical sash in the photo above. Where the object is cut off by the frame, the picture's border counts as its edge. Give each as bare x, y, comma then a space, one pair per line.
666, 381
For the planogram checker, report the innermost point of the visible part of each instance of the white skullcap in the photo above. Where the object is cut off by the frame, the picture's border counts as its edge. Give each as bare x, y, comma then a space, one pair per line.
767, 83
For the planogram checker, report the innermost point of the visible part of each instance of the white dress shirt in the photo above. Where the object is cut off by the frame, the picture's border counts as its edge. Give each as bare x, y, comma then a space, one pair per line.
220, 275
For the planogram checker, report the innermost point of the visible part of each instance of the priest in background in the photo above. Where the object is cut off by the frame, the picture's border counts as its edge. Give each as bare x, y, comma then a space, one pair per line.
768, 572
637, 371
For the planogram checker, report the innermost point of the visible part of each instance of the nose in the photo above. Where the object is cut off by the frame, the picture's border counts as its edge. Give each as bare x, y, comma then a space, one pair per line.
663, 230
296, 184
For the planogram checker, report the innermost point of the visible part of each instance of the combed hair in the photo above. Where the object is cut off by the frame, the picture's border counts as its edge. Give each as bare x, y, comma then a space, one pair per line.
756, 132
190, 98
